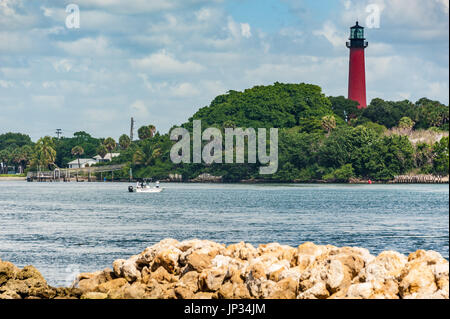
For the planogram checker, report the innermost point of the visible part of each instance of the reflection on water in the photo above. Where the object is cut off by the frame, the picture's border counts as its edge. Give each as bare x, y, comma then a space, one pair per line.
59, 227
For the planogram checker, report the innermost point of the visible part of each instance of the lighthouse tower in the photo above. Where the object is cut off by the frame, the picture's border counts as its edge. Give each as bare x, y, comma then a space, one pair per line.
357, 73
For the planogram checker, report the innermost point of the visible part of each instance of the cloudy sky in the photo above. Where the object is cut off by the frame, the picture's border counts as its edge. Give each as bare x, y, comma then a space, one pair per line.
161, 60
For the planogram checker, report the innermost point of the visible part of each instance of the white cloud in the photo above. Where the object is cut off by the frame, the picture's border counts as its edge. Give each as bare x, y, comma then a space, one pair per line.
204, 14
139, 109
6, 84
445, 5
142, 6
329, 31
48, 12
14, 42
246, 30
406, 19
185, 90
48, 102
49, 85
63, 65
163, 63
99, 46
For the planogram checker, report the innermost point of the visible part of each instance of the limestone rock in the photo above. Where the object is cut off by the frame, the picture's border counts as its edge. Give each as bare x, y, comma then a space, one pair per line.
241, 251
94, 295
417, 279
211, 279
168, 259
112, 285
7, 271
198, 262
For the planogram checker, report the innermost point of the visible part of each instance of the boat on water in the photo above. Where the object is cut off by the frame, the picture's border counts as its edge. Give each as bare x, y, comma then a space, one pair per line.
145, 187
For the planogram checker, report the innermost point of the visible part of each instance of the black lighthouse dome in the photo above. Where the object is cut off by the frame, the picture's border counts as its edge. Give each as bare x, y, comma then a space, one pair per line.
357, 37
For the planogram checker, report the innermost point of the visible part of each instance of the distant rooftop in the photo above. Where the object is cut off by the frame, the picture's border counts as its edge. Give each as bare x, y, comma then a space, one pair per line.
82, 161
107, 156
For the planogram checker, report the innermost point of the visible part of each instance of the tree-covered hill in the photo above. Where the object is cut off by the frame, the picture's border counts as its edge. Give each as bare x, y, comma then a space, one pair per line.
279, 105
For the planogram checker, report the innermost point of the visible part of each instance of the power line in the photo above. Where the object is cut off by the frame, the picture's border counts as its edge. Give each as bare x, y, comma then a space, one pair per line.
58, 132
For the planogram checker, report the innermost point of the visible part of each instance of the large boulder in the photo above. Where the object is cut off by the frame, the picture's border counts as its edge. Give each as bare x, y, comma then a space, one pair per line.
425, 276
7, 271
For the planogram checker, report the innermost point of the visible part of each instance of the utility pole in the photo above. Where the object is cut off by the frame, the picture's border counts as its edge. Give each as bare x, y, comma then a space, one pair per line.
58, 132
132, 129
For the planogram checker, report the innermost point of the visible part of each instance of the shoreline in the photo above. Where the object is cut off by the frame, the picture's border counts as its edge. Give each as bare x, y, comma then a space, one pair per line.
4, 179
202, 269
11, 178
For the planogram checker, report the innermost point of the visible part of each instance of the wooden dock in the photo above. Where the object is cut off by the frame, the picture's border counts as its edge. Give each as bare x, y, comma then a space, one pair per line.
88, 174
420, 179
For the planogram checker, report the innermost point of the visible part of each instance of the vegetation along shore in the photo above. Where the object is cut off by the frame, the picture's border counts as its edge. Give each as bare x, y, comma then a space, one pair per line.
201, 269
320, 139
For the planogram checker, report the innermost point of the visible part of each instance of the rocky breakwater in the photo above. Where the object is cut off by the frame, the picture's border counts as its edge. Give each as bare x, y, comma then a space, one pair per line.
28, 283
199, 269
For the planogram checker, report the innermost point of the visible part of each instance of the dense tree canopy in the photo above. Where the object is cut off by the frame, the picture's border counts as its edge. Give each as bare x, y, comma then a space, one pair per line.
13, 140
279, 105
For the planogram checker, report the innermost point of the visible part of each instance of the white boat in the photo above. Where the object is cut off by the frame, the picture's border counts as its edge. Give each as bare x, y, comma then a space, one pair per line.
144, 187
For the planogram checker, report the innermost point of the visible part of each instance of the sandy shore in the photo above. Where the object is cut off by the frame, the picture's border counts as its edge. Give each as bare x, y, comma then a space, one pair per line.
12, 179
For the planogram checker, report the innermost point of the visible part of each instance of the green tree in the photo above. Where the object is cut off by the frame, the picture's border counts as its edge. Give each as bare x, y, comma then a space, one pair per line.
110, 145
44, 153
21, 157
346, 109
423, 157
428, 113
78, 151
406, 123
441, 156
342, 174
5, 158
124, 142
102, 151
146, 154
152, 130
278, 105
14, 140
328, 123
144, 132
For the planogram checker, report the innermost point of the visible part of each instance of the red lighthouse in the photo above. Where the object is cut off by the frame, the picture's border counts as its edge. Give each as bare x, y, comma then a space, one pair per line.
357, 73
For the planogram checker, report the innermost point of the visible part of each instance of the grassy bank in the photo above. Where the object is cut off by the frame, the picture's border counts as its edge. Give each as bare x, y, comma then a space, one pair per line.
12, 177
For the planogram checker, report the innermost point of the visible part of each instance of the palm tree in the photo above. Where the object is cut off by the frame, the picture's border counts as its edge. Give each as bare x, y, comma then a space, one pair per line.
146, 155
146, 132
152, 129
78, 151
110, 145
102, 151
5, 157
45, 153
21, 157
328, 123
124, 141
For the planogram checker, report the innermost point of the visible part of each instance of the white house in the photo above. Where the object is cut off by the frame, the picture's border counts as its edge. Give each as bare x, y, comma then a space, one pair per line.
84, 162
107, 157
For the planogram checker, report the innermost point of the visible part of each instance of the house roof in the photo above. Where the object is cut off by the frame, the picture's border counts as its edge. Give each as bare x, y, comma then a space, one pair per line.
82, 161
107, 156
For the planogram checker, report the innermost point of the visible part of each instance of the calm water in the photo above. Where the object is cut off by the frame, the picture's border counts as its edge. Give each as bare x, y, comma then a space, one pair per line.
65, 228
